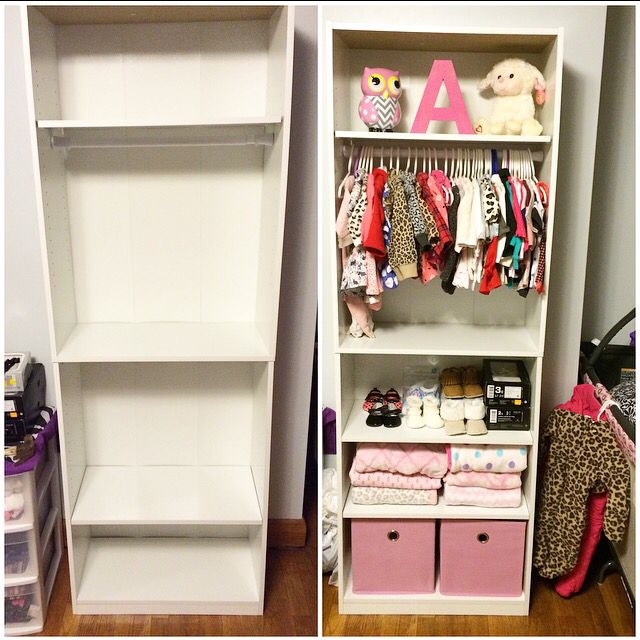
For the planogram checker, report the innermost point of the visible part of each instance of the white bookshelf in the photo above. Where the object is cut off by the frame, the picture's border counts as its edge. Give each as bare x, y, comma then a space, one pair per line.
417, 320
160, 136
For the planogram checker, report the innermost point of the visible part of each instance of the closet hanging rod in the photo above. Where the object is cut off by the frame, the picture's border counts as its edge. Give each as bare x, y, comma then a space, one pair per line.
63, 142
440, 153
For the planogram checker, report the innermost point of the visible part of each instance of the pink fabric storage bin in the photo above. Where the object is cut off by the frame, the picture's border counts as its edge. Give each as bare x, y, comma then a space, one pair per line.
393, 556
481, 557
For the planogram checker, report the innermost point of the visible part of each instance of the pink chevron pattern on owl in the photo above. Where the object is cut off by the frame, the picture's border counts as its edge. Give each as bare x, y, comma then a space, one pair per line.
379, 107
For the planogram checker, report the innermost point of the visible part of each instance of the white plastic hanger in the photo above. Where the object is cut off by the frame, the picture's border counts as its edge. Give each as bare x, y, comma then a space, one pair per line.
341, 187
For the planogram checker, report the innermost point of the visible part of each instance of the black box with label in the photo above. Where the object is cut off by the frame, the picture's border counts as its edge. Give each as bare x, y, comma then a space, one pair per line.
27, 404
506, 383
508, 418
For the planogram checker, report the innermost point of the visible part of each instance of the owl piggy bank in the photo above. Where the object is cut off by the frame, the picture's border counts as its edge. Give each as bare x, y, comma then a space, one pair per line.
379, 107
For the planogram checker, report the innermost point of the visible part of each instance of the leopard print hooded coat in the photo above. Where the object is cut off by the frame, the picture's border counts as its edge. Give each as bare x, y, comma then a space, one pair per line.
582, 456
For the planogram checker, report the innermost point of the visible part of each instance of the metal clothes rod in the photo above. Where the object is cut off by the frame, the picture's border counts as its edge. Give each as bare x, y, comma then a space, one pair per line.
409, 149
62, 142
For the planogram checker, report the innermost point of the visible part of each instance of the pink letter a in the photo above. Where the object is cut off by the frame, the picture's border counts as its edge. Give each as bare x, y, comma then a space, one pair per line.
442, 71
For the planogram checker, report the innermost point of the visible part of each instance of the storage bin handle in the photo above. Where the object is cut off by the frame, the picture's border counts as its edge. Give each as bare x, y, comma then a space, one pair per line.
483, 538
393, 535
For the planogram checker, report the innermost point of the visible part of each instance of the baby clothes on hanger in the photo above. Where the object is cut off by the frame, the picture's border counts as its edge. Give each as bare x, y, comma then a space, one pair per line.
478, 229
373, 219
403, 256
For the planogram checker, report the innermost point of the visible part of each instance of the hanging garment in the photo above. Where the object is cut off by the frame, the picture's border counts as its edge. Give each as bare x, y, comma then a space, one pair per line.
342, 228
451, 261
582, 456
403, 256
357, 207
373, 219
388, 275
418, 222
430, 195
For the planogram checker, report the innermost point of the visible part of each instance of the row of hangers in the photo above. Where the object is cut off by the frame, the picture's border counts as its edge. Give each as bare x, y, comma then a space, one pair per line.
469, 163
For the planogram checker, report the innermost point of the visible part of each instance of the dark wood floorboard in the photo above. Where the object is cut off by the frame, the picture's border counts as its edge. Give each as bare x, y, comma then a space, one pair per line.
599, 610
290, 602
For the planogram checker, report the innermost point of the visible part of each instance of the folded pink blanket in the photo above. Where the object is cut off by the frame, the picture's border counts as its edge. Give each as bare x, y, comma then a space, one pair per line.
487, 457
383, 495
408, 459
392, 480
483, 479
481, 497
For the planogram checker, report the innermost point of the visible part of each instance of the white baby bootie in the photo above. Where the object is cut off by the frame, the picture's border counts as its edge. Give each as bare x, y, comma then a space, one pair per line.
431, 413
452, 409
414, 413
474, 409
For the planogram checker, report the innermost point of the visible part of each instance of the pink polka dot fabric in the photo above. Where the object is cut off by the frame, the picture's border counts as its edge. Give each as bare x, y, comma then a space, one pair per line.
488, 458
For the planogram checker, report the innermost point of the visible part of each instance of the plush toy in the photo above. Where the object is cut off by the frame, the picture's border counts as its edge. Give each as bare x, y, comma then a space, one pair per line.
379, 107
513, 113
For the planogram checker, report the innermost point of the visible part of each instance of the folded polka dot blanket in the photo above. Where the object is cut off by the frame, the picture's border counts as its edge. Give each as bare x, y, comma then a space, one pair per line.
493, 458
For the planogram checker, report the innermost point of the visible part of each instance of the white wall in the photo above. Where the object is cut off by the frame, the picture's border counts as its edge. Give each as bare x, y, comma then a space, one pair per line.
610, 287
584, 37
25, 309
26, 327
298, 293
611, 267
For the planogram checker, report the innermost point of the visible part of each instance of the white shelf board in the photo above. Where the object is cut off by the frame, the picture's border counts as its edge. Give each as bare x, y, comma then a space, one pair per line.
169, 575
357, 430
431, 603
164, 342
445, 339
167, 495
439, 511
142, 124
34, 625
498, 141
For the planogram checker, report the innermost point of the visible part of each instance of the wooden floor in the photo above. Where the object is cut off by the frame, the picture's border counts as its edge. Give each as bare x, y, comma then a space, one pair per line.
290, 605
600, 610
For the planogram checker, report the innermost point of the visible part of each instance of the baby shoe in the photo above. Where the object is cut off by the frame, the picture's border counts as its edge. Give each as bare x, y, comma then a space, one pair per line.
454, 427
474, 409
451, 381
452, 409
374, 405
432, 392
414, 413
476, 427
414, 391
431, 413
471, 379
393, 409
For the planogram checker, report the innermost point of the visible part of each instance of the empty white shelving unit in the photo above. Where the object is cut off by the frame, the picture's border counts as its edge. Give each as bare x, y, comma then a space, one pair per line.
161, 137
417, 320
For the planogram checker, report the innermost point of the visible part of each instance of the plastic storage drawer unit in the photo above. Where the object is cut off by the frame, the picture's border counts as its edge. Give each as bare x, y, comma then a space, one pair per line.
481, 557
22, 606
393, 556
16, 552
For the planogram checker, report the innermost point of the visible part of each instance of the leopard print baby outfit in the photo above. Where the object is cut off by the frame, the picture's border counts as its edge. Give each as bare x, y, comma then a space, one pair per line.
415, 213
582, 457
403, 256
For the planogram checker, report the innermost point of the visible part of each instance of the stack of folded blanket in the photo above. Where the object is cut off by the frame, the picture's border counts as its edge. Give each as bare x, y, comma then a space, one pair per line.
397, 473
485, 475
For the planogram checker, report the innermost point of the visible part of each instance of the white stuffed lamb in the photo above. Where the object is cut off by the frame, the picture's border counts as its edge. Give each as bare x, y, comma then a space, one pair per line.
513, 113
